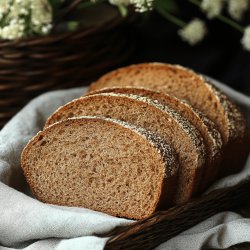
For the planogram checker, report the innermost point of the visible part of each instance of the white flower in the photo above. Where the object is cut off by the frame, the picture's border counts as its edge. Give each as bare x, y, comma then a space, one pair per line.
46, 29
212, 7
120, 2
12, 31
4, 7
193, 32
22, 18
246, 38
41, 13
142, 5
236, 8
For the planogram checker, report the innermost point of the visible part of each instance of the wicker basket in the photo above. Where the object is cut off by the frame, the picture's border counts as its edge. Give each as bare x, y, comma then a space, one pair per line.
32, 66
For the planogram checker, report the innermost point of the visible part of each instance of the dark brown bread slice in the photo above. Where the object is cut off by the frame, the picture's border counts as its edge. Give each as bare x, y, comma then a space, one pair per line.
101, 164
208, 130
149, 114
187, 85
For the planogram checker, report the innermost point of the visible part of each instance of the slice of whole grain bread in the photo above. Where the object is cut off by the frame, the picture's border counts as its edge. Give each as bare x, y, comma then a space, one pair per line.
102, 164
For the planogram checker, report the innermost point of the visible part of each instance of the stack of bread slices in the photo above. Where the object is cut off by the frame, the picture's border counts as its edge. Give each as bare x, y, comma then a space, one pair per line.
144, 137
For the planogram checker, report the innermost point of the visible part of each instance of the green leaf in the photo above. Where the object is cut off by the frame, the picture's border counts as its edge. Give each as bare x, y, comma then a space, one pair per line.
166, 5
73, 25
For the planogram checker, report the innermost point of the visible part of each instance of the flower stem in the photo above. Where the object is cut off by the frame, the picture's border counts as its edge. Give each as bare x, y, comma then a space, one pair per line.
195, 2
172, 18
123, 10
90, 3
231, 23
222, 18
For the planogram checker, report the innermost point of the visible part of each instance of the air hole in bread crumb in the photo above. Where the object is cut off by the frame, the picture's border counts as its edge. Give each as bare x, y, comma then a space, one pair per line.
61, 132
70, 114
43, 143
83, 153
90, 180
153, 168
110, 180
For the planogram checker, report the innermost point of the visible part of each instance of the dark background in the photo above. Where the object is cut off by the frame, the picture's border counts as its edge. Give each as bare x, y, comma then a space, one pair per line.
219, 55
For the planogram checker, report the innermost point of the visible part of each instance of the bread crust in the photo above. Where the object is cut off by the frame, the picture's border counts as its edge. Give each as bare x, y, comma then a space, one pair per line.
237, 140
233, 129
234, 118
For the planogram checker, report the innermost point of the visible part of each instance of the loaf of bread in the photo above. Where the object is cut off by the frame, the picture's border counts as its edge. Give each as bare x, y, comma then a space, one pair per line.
151, 115
211, 135
101, 164
195, 89
144, 137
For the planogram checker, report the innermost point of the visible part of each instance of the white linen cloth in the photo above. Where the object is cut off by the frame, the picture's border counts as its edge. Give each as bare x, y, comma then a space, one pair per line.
26, 223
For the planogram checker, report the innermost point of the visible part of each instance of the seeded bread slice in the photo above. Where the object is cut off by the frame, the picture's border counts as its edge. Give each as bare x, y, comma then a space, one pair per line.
195, 89
151, 115
212, 137
101, 164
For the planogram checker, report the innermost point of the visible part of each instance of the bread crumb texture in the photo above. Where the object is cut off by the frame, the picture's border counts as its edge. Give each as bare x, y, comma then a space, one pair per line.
99, 163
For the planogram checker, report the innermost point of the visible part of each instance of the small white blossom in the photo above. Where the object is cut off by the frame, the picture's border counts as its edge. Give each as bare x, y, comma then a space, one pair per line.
246, 38
193, 32
24, 12
236, 8
212, 8
41, 12
21, 18
46, 29
142, 5
4, 7
120, 2
12, 31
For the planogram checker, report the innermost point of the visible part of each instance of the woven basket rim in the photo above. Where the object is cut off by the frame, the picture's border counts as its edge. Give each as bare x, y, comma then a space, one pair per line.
57, 37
